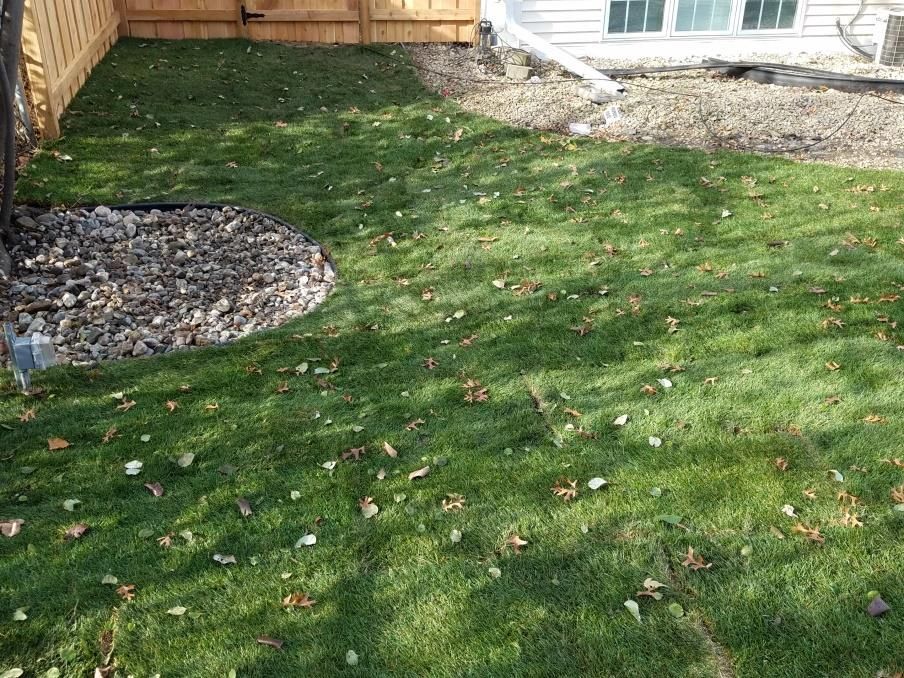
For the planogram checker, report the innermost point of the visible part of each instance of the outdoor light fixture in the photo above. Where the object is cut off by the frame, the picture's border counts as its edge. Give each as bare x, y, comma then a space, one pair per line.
484, 36
27, 353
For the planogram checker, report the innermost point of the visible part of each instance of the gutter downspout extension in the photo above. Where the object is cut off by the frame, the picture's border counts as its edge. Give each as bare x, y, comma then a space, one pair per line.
547, 50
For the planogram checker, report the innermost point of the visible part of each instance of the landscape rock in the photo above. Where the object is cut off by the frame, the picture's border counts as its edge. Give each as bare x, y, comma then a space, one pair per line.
101, 291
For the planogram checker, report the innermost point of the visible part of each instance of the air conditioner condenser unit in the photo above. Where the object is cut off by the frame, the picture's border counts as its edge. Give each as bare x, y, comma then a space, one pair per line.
889, 37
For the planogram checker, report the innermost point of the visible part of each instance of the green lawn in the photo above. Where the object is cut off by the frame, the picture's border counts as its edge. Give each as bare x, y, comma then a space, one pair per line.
367, 152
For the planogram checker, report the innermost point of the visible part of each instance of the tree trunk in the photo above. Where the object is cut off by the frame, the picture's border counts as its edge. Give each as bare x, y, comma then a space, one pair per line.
10, 42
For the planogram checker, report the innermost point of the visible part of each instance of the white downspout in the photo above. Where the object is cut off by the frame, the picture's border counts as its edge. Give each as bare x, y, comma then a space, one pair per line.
505, 14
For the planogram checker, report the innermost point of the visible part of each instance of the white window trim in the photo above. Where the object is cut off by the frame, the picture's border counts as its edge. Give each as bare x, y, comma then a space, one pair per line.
795, 29
732, 23
735, 21
664, 33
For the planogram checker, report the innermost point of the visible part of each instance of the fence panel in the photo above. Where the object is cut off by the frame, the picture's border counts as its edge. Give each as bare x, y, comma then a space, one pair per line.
61, 43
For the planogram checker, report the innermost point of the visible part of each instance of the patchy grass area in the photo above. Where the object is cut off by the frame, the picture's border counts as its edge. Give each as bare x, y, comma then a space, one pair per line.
621, 267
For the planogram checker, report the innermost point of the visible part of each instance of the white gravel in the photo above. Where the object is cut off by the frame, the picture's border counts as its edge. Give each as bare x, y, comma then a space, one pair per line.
105, 284
739, 113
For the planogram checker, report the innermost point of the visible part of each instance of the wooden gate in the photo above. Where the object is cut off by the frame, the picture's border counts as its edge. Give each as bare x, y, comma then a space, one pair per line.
321, 21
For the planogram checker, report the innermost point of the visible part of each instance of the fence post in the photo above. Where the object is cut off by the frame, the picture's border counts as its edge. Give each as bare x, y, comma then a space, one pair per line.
364, 21
122, 8
35, 55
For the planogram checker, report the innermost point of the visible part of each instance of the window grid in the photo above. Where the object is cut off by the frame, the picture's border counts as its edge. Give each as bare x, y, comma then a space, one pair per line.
737, 21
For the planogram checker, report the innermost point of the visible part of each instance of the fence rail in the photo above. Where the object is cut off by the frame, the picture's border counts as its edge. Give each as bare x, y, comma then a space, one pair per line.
64, 39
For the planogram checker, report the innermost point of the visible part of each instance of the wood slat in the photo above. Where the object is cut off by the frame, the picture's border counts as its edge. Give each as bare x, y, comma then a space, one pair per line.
207, 15
438, 15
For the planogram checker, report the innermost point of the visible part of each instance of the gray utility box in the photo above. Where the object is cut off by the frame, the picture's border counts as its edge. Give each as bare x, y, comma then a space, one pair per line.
27, 353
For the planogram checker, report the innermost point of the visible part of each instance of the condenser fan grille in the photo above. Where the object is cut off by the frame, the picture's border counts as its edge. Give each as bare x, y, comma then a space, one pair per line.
891, 50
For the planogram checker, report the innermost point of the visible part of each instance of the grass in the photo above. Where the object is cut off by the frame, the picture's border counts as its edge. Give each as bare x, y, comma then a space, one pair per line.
162, 121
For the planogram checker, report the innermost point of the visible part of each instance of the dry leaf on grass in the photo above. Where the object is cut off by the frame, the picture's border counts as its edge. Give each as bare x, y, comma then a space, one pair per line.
57, 444
76, 531
694, 561
10, 528
516, 543
244, 507
390, 450
126, 591
298, 600
272, 642
811, 533
566, 489
353, 453
155, 489
420, 473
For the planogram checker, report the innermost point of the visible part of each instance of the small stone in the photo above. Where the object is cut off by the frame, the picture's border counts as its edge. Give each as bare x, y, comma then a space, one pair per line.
140, 348
223, 305
877, 607
68, 300
102, 212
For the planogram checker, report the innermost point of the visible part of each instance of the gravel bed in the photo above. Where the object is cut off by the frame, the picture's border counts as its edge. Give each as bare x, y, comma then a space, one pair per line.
740, 114
106, 284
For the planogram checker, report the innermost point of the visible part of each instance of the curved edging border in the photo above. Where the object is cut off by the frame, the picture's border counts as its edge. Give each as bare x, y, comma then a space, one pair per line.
172, 206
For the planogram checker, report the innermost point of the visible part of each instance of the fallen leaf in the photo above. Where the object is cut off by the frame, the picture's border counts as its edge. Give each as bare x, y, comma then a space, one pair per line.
453, 502
155, 489
694, 561
781, 464
19, 614
634, 609
420, 473
133, 468
676, 610
28, 415
186, 459
877, 607
390, 450
70, 504
788, 510
596, 483
654, 441
171, 406
126, 591
272, 642
516, 543
353, 453
620, 420
351, 658
811, 533
455, 536
244, 507
10, 528
57, 444
368, 508
306, 540
76, 531
126, 405
566, 489
177, 611
224, 560
298, 600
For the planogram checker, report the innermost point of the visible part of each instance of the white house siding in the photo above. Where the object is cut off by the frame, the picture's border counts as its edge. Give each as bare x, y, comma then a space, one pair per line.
577, 25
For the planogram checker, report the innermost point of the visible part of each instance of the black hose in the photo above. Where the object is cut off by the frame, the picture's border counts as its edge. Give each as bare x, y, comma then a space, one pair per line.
856, 49
778, 74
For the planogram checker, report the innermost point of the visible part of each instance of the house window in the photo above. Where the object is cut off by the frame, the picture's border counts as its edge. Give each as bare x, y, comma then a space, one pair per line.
767, 15
636, 16
708, 16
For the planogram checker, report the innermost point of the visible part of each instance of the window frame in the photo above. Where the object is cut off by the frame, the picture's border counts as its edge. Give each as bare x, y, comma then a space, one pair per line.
794, 30
733, 19
663, 33
736, 19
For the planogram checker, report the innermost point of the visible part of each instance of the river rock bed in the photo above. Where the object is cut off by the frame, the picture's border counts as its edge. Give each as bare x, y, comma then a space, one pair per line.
694, 109
106, 284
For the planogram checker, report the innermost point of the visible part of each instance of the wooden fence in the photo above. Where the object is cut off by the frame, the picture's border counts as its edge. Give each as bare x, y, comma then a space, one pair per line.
64, 39
325, 21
